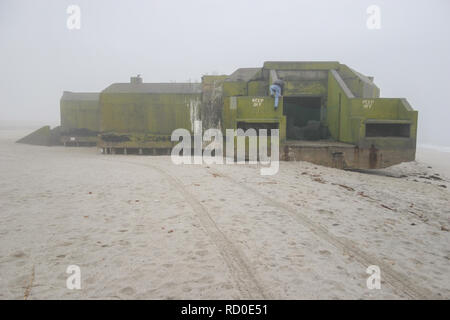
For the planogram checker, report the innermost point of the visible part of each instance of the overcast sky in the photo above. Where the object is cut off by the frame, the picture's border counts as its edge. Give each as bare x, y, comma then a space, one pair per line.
182, 40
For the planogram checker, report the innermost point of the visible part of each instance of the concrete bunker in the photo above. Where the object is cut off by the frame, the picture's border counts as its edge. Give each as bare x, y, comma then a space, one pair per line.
327, 113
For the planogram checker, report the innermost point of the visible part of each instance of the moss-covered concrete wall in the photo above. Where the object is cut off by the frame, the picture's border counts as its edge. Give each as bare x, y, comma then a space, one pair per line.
148, 112
348, 115
337, 105
80, 114
360, 85
255, 109
235, 88
258, 88
305, 88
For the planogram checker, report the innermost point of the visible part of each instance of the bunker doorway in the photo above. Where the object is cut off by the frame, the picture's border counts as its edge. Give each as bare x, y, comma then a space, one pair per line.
303, 116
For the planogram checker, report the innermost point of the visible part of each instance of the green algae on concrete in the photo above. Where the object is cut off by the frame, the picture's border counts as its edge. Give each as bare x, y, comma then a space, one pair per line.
145, 110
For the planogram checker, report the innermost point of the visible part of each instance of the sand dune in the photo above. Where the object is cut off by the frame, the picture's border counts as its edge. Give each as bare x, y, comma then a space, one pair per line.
142, 228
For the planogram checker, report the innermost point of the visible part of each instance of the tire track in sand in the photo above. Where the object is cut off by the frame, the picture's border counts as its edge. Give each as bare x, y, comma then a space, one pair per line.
395, 279
241, 270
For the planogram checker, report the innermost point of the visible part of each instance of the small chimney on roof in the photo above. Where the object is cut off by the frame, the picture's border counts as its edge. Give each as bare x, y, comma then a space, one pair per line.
136, 80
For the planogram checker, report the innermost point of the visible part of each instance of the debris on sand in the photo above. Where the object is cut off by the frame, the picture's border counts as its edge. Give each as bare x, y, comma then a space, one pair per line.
344, 186
432, 177
386, 207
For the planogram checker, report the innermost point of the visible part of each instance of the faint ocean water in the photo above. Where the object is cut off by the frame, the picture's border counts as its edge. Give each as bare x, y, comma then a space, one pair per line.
435, 147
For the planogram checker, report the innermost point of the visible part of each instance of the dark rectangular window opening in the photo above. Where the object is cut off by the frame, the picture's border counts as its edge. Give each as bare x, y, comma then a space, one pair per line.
257, 126
387, 130
302, 117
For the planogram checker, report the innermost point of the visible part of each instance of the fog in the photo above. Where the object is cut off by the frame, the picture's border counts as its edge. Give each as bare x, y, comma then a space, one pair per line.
182, 40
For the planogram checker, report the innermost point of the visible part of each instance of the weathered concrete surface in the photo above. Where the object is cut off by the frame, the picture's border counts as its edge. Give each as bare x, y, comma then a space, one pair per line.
80, 118
344, 156
145, 115
80, 111
212, 101
44, 136
40, 137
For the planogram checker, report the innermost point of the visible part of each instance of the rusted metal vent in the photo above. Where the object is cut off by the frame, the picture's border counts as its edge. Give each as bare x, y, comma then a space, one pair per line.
136, 80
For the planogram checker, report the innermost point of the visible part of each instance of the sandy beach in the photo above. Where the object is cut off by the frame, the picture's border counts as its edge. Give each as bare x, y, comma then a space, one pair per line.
140, 227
